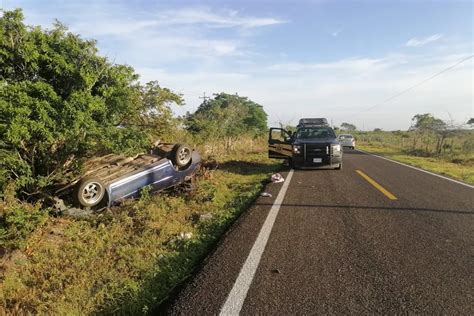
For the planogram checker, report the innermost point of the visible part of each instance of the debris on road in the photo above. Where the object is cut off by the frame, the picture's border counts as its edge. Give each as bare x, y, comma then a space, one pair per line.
277, 271
184, 236
59, 205
277, 178
180, 240
266, 194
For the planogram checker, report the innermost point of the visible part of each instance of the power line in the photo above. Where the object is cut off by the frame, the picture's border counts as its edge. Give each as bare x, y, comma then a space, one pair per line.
417, 84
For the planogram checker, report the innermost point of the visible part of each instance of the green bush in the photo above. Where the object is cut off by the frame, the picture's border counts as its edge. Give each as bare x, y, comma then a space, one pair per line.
18, 220
227, 118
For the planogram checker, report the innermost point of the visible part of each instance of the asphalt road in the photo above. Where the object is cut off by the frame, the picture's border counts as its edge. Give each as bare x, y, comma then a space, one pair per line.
340, 245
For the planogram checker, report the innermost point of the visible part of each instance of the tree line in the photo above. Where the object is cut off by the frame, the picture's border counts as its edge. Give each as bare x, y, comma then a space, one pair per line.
429, 135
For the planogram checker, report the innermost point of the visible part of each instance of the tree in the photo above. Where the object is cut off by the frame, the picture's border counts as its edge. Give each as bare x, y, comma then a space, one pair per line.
60, 102
227, 117
348, 127
428, 124
471, 121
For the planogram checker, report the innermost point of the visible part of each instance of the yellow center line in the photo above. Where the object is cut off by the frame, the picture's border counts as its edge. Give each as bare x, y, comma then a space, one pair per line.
377, 186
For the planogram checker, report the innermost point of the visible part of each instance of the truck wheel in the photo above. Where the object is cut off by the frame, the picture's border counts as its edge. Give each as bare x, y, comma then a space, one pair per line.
181, 155
339, 167
90, 192
290, 163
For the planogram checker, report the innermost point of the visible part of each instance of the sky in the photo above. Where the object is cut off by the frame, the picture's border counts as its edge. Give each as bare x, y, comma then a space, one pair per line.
343, 60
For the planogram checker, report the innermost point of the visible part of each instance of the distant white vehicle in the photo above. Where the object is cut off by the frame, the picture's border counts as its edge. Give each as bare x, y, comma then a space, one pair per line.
347, 140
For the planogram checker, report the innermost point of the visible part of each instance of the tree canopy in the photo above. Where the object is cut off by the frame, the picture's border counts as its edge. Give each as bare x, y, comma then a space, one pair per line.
427, 122
61, 101
228, 116
348, 127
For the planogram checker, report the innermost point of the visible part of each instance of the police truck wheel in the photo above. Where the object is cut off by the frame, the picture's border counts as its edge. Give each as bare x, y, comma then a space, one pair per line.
290, 163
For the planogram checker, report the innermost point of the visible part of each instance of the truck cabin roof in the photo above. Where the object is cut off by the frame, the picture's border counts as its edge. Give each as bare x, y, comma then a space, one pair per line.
312, 122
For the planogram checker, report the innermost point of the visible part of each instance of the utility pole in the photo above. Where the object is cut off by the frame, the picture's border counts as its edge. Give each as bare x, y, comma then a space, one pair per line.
204, 97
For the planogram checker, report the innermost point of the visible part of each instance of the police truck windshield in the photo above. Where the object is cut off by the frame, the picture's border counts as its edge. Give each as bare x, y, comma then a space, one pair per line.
315, 133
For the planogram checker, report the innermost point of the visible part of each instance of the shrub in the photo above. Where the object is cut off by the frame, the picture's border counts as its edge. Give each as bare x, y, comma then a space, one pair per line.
18, 220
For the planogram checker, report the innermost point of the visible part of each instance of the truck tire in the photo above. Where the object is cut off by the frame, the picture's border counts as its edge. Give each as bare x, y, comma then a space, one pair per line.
181, 155
291, 163
90, 192
339, 167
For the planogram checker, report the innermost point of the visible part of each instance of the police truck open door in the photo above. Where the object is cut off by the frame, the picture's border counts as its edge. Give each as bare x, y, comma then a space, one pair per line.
279, 144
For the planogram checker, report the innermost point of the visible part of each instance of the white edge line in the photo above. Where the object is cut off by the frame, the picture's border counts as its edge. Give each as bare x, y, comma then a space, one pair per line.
419, 169
237, 295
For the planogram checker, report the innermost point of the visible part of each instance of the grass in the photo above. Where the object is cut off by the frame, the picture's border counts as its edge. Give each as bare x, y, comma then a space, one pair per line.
128, 259
462, 170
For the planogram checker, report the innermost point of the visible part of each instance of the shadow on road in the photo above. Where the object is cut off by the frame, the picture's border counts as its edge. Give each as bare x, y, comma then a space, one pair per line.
353, 152
372, 208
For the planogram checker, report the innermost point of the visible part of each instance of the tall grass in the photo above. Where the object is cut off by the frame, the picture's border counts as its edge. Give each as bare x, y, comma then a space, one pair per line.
455, 160
458, 143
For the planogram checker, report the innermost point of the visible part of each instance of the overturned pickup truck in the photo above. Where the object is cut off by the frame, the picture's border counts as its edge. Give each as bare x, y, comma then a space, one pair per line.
109, 179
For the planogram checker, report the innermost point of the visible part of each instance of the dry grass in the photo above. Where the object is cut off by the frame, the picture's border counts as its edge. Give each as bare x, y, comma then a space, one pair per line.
128, 259
462, 170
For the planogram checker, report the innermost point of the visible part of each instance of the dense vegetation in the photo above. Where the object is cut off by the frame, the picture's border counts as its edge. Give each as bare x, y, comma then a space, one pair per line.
61, 101
227, 117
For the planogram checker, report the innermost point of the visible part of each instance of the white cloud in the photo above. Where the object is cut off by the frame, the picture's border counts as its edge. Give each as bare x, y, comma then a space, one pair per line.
111, 26
151, 50
349, 65
345, 96
418, 42
208, 17
144, 39
120, 22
